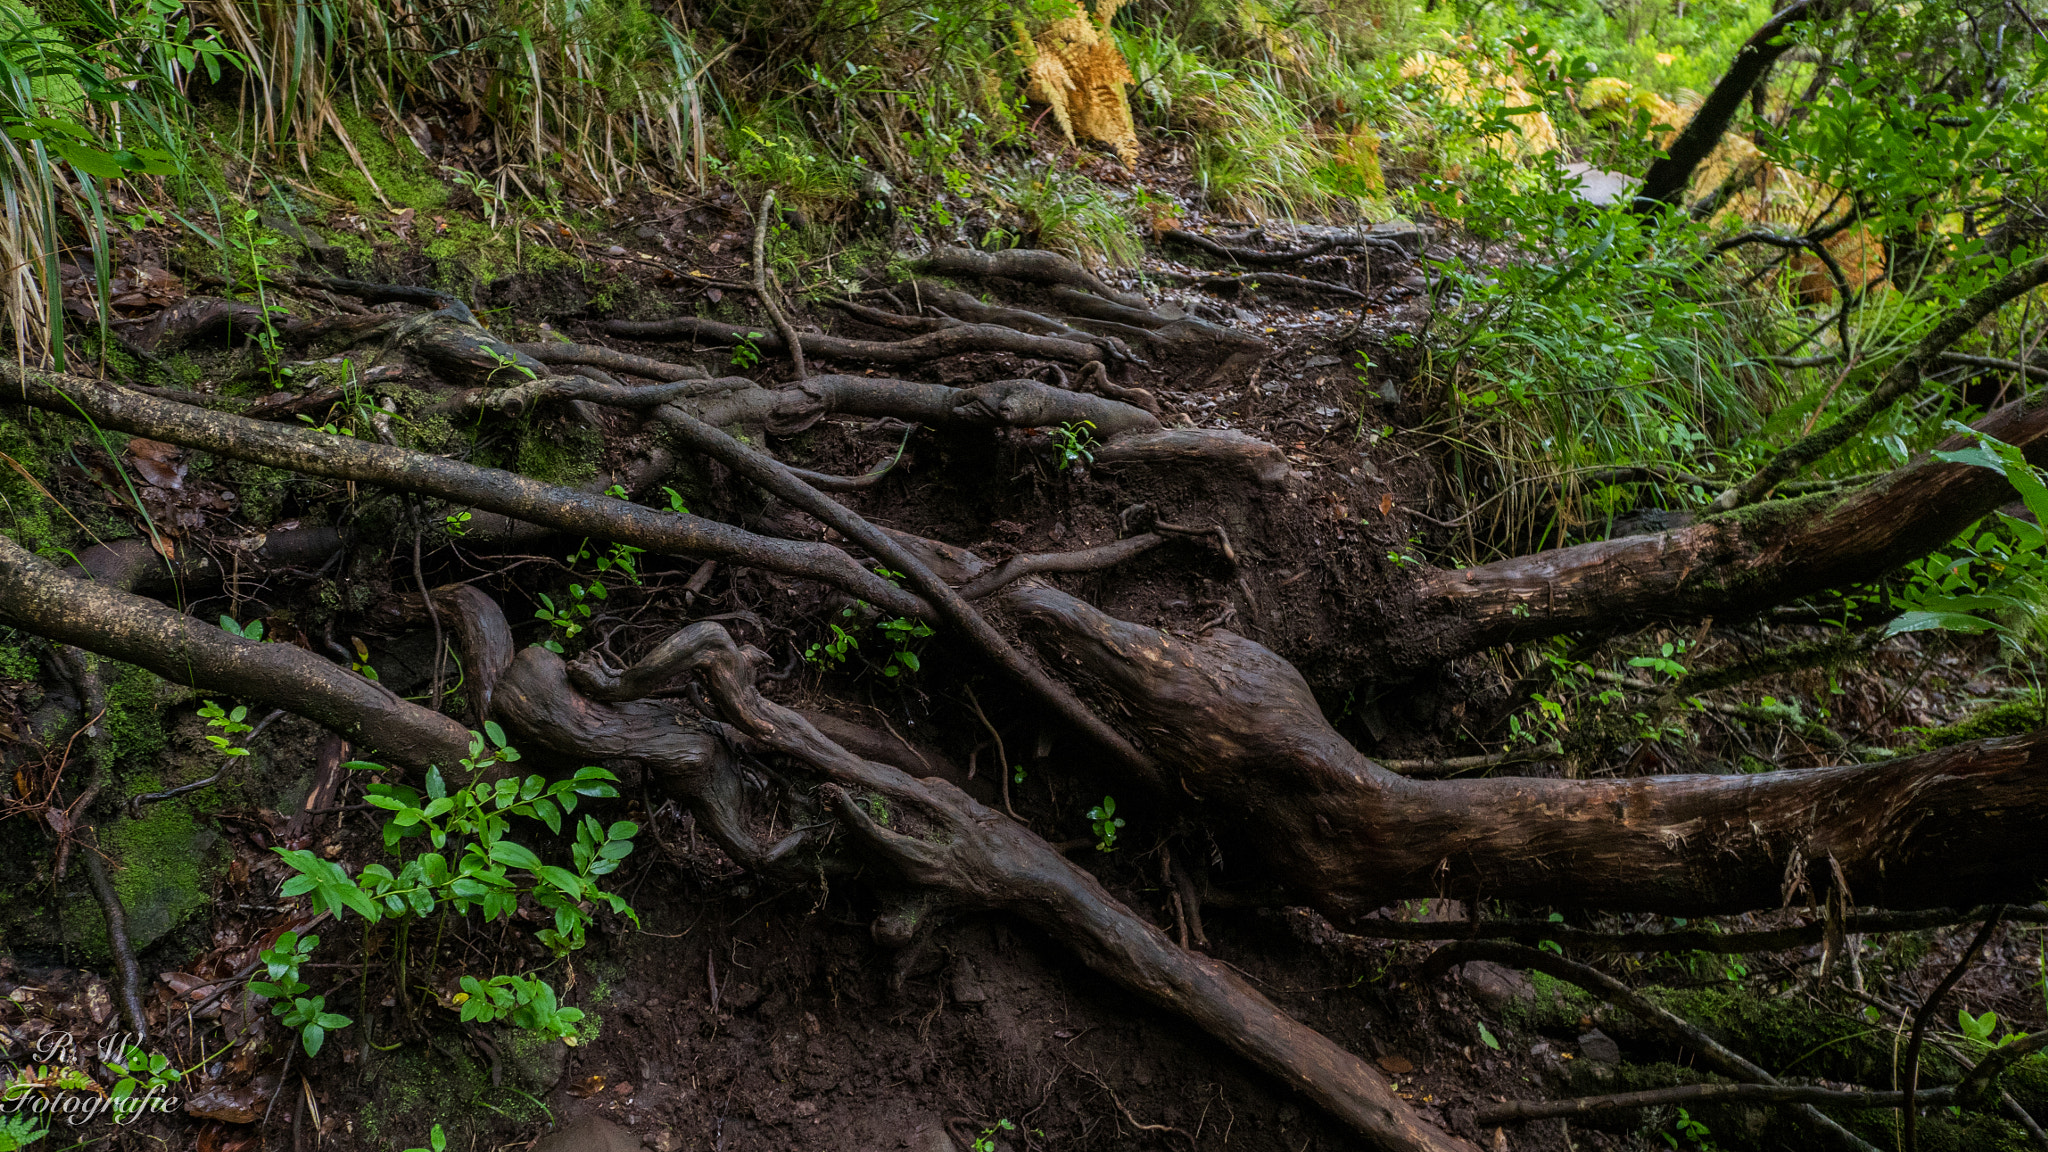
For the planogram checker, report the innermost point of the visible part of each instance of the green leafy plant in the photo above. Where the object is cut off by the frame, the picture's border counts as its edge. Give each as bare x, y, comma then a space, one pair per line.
1662, 662
360, 662
1486, 1037
1073, 442
1690, 1131
17, 1132
253, 630
230, 725
307, 1014
902, 632
570, 617
1981, 1028
746, 353
456, 523
254, 243
437, 1141
473, 864
986, 1142
1106, 823
141, 1072
675, 502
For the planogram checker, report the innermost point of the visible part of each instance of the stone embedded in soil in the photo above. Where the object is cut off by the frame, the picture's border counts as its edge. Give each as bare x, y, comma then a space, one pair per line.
590, 1134
1599, 1046
1494, 987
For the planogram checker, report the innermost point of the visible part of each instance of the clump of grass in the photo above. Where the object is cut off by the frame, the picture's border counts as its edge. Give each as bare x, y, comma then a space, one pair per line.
1067, 212
601, 94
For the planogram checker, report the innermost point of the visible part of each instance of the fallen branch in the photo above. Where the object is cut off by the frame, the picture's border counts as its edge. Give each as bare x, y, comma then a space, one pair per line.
1902, 378
493, 490
1614, 991
1682, 940
36, 598
559, 352
1523, 1111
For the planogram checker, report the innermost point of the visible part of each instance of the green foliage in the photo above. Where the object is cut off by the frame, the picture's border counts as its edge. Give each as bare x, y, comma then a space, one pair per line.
986, 1142
1106, 824
307, 1014
229, 723
18, 1132
437, 1142
473, 864
746, 353
1073, 443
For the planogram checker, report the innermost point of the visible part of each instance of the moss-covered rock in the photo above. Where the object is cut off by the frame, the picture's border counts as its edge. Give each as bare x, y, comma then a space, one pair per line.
2009, 719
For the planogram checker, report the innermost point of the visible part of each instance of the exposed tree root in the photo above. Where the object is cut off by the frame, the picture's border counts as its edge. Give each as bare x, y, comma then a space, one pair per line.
562, 353
1083, 560
941, 839
117, 939
1253, 281
1029, 265
791, 340
951, 341
36, 598
1231, 720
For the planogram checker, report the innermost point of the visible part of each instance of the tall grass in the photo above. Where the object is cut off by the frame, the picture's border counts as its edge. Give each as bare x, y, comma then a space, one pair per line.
600, 94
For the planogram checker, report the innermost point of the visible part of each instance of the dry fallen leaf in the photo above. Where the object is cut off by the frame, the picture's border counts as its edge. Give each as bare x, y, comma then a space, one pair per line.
1386, 503
587, 1088
1398, 1065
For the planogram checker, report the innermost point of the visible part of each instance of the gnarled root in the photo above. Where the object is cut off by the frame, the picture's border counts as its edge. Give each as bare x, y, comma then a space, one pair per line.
942, 839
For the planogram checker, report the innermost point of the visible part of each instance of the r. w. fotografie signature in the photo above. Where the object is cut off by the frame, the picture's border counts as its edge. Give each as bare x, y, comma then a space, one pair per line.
50, 1081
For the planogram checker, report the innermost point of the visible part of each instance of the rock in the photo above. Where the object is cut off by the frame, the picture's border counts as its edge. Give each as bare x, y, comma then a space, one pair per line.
1599, 187
966, 983
1494, 986
1324, 361
664, 1139
932, 1138
536, 1063
615, 250
590, 1134
1598, 1046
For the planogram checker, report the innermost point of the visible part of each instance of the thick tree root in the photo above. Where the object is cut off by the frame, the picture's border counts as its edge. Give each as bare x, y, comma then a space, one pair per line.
941, 839
1258, 258
36, 598
1231, 719
952, 341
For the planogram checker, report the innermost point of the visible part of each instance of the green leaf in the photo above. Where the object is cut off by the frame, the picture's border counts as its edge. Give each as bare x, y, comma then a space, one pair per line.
1932, 621
515, 856
313, 1036
1486, 1038
568, 882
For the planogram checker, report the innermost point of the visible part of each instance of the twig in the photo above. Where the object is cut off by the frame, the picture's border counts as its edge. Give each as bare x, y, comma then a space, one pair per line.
1608, 988
136, 802
1521, 1111
782, 324
1002, 757
1909, 1116
1081, 560
829, 483
1684, 940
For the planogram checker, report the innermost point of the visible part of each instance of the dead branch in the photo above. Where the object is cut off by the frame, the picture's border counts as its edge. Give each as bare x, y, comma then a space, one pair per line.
1608, 988
1523, 1111
1902, 378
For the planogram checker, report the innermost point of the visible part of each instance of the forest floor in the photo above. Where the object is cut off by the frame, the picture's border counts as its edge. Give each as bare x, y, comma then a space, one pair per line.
738, 1016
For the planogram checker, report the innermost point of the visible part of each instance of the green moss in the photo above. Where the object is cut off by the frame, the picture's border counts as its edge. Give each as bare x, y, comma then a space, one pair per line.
2009, 719
135, 703
165, 875
416, 1088
17, 663
559, 455
401, 173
